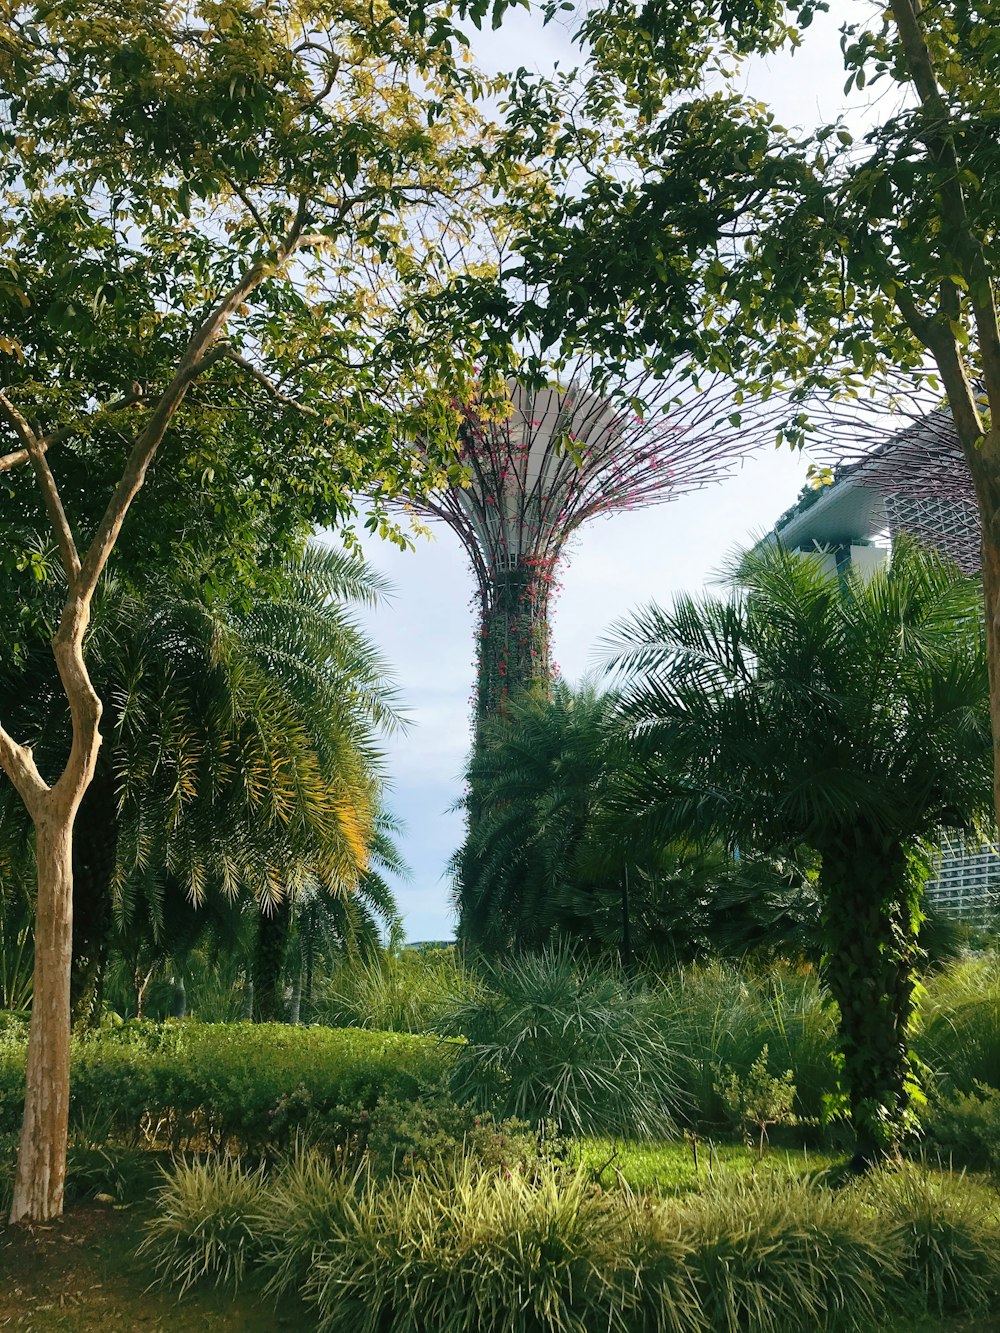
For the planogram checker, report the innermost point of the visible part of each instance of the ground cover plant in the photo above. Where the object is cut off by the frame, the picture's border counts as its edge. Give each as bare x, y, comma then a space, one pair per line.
83, 1276
366, 1190
461, 1248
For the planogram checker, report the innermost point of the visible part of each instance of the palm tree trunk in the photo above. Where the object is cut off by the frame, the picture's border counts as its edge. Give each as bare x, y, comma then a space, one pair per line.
269, 962
871, 919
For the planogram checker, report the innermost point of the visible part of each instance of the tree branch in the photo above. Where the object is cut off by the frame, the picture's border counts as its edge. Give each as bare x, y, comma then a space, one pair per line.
273, 390
939, 136
18, 456
942, 345
197, 358
18, 763
47, 485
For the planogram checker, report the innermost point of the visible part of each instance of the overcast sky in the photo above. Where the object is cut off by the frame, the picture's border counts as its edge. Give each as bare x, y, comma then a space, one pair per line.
614, 565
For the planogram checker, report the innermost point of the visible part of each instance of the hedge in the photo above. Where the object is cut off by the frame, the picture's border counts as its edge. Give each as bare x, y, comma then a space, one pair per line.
179, 1081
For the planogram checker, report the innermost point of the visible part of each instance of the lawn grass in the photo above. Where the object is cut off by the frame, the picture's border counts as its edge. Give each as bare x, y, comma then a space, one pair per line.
678, 1167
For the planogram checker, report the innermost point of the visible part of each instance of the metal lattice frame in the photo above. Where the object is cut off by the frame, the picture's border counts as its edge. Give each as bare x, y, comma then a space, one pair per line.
919, 473
559, 456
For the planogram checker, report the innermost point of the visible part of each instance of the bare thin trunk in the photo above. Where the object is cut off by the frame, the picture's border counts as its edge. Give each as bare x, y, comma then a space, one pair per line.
985, 467
41, 1163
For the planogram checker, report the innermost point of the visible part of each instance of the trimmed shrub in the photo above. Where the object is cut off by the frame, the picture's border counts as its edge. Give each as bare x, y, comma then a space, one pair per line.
222, 1084
568, 1042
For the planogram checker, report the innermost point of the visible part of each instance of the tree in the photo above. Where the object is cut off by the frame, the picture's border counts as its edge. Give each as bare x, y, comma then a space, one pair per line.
553, 859
201, 205
534, 781
841, 269
851, 716
240, 755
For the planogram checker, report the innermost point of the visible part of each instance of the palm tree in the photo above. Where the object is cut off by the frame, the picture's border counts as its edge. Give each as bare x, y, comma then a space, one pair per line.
240, 754
549, 858
845, 714
534, 779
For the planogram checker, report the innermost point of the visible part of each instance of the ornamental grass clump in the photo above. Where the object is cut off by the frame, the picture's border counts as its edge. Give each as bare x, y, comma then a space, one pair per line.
949, 1230
468, 1252
406, 992
306, 1203
208, 1223
959, 1032
720, 1016
560, 1040
772, 1255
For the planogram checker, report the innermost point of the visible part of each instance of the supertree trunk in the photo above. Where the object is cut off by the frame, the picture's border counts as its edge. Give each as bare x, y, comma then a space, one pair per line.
514, 638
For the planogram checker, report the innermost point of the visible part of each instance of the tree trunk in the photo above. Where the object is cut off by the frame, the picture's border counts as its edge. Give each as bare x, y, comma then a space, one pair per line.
41, 1163
870, 919
985, 468
514, 638
269, 962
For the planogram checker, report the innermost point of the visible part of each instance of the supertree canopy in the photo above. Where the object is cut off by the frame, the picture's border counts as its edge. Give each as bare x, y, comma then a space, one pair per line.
540, 464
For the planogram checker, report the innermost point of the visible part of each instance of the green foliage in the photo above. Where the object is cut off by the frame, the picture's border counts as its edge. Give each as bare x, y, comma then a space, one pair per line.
406, 992
678, 1168
536, 780
720, 1015
959, 1034
964, 1127
563, 1040
949, 1228
775, 1255
112, 1173
207, 1223
220, 1084
549, 1252
473, 1251
847, 714
414, 1137
308, 1200
8, 1159
546, 860
758, 1099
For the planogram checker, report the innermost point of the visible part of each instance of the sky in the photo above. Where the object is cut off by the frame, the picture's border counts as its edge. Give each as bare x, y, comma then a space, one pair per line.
614, 565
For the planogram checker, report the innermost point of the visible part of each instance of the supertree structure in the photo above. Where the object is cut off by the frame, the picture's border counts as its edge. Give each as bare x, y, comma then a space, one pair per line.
545, 461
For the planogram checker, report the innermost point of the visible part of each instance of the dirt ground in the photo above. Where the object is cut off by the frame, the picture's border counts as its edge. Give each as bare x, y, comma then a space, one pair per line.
81, 1275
